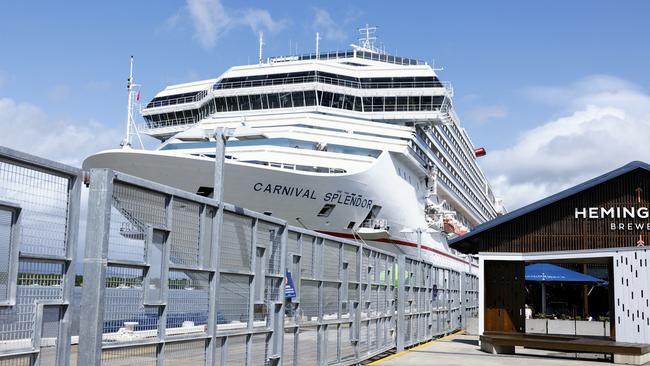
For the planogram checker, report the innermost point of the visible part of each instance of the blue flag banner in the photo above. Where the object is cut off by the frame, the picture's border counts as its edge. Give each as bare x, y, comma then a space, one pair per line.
289, 289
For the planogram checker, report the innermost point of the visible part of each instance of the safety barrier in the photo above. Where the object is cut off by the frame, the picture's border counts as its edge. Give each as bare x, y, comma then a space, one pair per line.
174, 278
39, 214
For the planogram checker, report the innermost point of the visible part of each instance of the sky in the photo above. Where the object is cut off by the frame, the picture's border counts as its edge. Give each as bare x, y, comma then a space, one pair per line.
557, 91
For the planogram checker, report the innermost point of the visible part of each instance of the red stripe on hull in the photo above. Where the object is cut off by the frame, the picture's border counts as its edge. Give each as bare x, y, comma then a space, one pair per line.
398, 242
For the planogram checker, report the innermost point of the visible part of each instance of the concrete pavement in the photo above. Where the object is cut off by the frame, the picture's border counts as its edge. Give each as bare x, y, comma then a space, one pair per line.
463, 350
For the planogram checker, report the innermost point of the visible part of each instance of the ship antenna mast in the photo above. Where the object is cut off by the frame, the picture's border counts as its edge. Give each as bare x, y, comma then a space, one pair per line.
368, 38
260, 56
134, 98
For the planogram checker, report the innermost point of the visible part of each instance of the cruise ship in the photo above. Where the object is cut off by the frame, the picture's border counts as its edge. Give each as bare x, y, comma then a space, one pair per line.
359, 144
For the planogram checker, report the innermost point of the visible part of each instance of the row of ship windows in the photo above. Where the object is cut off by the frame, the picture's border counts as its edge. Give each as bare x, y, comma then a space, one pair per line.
302, 168
453, 139
279, 141
470, 150
300, 99
328, 78
375, 56
451, 153
425, 160
177, 99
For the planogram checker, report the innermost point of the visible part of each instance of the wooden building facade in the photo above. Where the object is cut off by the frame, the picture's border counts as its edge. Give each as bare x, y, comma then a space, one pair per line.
605, 220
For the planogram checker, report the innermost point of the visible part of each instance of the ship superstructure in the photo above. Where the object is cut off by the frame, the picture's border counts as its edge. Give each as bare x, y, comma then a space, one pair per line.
358, 143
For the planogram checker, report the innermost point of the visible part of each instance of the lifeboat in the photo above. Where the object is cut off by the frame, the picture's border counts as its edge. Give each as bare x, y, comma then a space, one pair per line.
452, 226
373, 229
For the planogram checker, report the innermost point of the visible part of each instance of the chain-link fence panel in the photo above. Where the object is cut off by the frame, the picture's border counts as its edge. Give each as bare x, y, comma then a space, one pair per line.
39, 218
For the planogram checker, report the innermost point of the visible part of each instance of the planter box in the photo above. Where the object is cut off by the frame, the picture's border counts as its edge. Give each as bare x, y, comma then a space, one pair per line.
567, 327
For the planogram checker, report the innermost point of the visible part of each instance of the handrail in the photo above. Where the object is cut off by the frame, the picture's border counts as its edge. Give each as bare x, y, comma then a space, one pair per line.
170, 122
373, 56
332, 81
180, 100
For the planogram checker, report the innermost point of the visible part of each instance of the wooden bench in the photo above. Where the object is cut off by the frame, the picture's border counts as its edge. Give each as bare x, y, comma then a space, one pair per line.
504, 343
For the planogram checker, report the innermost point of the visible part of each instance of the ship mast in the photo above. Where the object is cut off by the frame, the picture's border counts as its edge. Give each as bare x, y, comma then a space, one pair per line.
261, 48
367, 38
134, 98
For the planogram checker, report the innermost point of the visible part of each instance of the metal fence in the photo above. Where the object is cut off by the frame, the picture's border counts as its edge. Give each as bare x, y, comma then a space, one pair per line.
172, 278
39, 214
469, 305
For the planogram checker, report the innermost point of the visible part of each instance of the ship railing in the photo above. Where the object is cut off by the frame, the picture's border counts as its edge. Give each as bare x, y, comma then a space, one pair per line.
333, 81
180, 100
377, 224
153, 125
373, 56
430, 107
454, 183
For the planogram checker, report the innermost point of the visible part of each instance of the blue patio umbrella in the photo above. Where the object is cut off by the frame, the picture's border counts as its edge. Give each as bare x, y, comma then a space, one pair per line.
544, 273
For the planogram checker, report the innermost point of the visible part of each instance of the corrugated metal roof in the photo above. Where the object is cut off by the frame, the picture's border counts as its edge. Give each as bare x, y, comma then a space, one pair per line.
459, 242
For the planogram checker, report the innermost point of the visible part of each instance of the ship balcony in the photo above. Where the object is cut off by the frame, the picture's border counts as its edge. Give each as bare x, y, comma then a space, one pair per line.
266, 83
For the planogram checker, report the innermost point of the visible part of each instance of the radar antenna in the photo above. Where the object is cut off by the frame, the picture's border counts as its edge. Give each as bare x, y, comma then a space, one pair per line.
134, 99
368, 37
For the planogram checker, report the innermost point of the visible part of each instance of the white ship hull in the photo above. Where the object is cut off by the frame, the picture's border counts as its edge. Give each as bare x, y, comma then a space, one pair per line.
298, 197
358, 144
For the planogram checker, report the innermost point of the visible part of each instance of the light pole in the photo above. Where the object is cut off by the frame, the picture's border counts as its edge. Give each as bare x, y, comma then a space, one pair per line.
221, 136
418, 231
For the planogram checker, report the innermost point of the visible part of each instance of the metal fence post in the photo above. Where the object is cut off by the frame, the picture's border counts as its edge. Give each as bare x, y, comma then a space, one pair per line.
252, 292
401, 263
277, 336
356, 325
319, 272
72, 235
95, 260
217, 224
217, 220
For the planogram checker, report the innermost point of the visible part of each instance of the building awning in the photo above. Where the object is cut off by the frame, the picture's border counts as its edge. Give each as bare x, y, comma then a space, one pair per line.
544, 272
483, 235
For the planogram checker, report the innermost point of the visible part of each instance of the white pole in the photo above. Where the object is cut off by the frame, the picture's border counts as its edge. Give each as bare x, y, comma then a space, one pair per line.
127, 139
419, 232
543, 298
261, 47
317, 45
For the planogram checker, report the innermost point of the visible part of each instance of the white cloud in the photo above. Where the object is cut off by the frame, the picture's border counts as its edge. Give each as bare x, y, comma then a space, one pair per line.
327, 27
59, 93
4, 78
27, 128
484, 113
605, 124
260, 19
211, 20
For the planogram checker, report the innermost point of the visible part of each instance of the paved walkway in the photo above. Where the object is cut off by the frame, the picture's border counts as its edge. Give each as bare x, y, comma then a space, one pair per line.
463, 350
